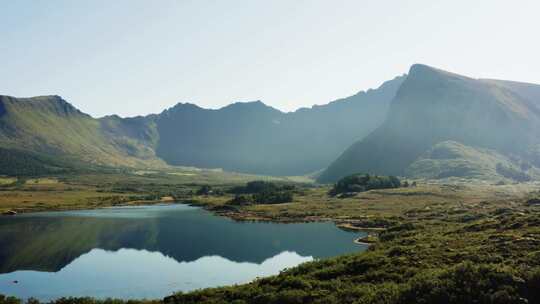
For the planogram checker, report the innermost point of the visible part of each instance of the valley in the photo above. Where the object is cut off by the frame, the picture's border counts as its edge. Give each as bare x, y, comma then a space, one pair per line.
445, 231
430, 182
269, 152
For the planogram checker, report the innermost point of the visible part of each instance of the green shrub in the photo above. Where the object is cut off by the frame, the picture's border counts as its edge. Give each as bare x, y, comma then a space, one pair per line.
364, 182
204, 190
273, 197
239, 200
263, 193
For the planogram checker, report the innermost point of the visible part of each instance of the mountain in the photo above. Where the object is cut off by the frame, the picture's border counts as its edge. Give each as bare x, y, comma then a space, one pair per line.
434, 106
47, 134
452, 159
47, 131
255, 138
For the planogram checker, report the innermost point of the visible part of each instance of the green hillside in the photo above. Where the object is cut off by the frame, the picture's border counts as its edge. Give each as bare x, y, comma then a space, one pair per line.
50, 126
433, 106
452, 159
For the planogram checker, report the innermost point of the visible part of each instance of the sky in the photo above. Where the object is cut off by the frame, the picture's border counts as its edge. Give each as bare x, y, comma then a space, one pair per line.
132, 57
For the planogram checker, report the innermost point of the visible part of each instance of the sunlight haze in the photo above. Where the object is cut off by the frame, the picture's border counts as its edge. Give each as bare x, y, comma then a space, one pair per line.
138, 57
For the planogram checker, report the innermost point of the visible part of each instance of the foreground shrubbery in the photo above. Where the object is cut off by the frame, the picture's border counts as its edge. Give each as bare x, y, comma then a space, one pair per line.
442, 255
436, 263
464, 283
364, 182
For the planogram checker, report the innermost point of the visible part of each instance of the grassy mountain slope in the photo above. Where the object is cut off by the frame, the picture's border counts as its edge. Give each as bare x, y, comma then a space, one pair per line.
50, 126
433, 106
452, 159
255, 138
136, 136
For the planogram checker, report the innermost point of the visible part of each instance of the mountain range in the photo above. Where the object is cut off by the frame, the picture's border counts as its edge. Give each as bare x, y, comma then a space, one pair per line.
428, 123
47, 134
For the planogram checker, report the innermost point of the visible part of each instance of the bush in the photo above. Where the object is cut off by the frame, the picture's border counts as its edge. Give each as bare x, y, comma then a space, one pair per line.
364, 182
240, 200
259, 187
263, 193
9, 300
204, 190
273, 197
464, 283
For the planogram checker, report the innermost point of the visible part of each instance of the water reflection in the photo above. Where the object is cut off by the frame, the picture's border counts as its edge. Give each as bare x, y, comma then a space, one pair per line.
130, 273
150, 251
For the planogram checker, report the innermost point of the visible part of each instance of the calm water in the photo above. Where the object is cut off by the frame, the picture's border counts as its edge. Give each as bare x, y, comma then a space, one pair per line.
150, 251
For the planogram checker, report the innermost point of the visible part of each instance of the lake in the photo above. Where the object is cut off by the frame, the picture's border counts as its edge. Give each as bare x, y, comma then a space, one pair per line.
151, 251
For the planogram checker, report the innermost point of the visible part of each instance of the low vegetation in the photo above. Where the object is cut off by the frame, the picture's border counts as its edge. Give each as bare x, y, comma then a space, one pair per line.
435, 243
96, 190
364, 182
262, 192
17, 163
477, 252
450, 159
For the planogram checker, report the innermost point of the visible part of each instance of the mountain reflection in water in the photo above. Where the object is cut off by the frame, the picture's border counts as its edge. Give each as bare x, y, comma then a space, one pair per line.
117, 252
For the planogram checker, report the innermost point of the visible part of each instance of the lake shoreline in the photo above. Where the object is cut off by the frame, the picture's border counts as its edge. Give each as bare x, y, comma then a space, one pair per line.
242, 215
238, 214
175, 246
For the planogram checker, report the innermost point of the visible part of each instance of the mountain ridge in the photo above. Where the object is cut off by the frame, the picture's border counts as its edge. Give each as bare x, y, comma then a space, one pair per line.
250, 136
390, 128
432, 106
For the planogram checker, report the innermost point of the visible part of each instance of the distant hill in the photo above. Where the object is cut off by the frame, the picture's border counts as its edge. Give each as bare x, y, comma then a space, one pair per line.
49, 129
434, 106
255, 138
47, 134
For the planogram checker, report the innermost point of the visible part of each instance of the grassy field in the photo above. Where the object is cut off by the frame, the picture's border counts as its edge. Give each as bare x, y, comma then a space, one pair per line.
457, 242
97, 190
436, 243
314, 204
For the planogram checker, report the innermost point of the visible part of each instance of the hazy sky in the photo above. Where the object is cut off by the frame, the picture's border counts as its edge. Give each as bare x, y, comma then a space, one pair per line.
138, 57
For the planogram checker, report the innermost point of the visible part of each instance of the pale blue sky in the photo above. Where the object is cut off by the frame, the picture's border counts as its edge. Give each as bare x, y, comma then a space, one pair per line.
138, 57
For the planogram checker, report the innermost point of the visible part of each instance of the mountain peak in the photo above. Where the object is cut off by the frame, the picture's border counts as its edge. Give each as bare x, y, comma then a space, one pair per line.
420, 67
182, 107
423, 71
46, 103
58, 104
432, 106
255, 105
